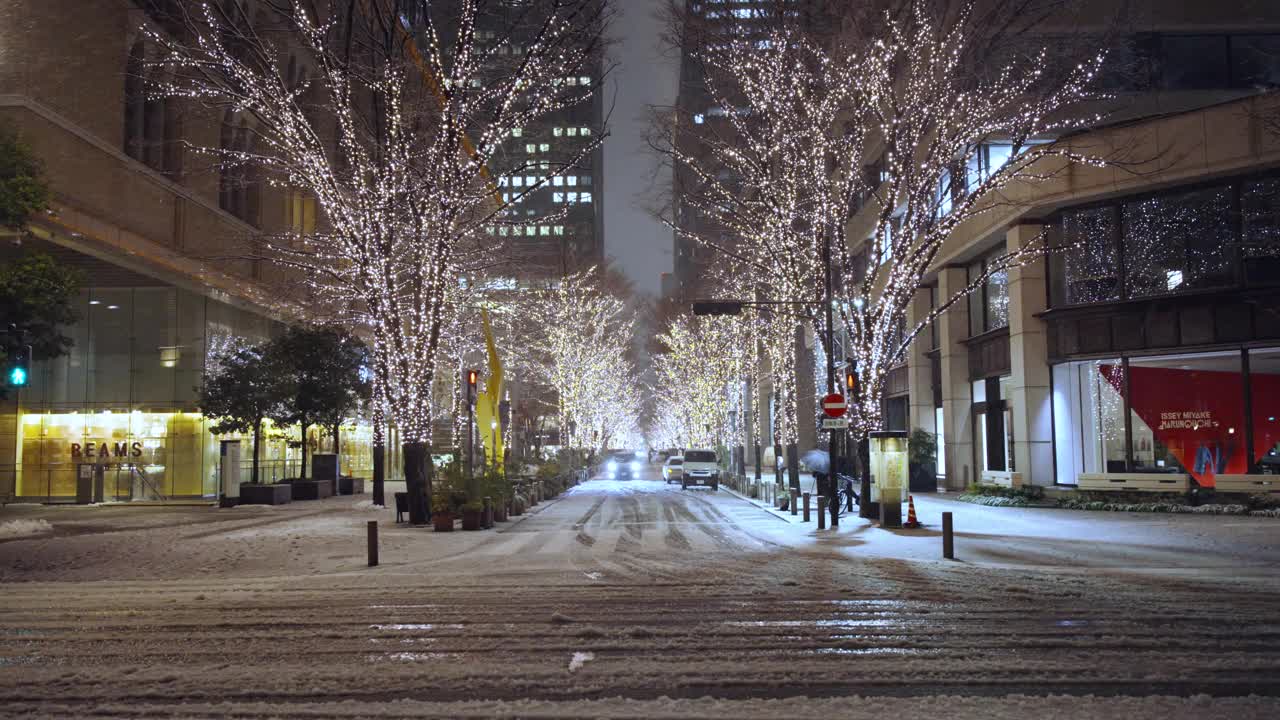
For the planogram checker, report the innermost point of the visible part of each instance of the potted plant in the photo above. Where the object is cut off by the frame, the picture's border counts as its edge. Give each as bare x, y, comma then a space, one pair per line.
441, 510
472, 511
922, 453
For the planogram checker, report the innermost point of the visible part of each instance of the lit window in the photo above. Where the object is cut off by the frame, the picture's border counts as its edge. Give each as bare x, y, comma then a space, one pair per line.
489, 230
544, 147
506, 197
558, 131
502, 181
558, 181
572, 180
573, 132
586, 131
517, 181
517, 132
584, 80
586, 197
559, 229
698, 119
531, 231
530, 181
571, 81
531, 148
573, 197
557, 197
502, 231
544, 229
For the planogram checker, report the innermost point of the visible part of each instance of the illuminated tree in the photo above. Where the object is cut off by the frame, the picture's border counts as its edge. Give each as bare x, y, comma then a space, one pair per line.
580, 336
896, 115
389, 114
700, 371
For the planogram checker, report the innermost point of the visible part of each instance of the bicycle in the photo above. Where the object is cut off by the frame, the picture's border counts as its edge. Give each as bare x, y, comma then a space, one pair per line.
846, 496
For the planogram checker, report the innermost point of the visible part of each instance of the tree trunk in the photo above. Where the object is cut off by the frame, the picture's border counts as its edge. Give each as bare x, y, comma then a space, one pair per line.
257, 437
302, 475
336, 446
416, 480
379, 473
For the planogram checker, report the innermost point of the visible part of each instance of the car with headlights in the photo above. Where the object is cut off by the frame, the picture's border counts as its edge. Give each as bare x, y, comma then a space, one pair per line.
672, 469
623, 466
700, 467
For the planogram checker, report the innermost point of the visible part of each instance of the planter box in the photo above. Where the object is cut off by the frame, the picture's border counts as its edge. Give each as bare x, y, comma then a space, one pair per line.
311, 489
350, 486
443, 522
1134, 482
251, 494
471, 519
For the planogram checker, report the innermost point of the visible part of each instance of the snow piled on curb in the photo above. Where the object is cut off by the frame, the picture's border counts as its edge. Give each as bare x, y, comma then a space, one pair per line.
367, 505
24, 528
993, 500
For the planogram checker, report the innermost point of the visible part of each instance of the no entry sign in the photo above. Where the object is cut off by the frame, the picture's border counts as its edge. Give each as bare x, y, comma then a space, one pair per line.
833, 405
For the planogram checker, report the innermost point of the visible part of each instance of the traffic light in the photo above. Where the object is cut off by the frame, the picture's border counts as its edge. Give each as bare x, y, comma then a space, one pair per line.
851, 381
717, 308
18, 366
473, 377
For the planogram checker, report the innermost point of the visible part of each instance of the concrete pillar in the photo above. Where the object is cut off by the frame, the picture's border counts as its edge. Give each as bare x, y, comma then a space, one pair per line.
957, 402
1028, 356
919, 375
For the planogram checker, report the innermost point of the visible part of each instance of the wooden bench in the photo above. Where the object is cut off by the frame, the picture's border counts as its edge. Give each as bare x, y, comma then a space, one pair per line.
1002, 478
1134, 482
1247, 484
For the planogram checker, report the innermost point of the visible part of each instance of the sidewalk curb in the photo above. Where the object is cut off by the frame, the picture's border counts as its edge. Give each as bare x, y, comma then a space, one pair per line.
784, 516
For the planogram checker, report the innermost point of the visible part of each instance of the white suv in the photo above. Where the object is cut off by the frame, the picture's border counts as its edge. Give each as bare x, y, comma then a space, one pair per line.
701, 467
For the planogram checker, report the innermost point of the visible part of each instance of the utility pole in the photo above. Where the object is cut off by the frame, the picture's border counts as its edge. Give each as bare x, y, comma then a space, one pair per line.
834, 438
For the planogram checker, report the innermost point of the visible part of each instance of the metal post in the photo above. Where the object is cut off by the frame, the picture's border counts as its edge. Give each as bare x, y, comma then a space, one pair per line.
373, 543
806, 507
471, 444
822, 513
795, 497
948, 539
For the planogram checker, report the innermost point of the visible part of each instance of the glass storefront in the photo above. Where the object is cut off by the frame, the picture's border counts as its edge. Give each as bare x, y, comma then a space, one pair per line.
116, 418
1202, 414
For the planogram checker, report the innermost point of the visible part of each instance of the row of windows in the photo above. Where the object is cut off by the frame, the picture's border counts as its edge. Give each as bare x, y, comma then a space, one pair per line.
560, 197
528, 230
1211, 237
532, 180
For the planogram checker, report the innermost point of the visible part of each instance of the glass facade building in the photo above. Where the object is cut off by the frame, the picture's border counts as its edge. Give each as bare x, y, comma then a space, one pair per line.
116, 418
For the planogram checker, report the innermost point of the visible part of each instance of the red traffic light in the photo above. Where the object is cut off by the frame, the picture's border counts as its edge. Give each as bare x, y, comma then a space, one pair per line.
851, 381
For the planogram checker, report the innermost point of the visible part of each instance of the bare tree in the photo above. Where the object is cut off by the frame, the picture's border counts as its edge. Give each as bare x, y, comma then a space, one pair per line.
402, 110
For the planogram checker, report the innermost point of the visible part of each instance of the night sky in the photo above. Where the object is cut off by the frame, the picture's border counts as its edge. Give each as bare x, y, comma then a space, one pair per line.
634, 240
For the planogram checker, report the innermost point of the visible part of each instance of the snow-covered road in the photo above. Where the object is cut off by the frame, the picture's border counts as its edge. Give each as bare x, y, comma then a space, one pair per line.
620, 599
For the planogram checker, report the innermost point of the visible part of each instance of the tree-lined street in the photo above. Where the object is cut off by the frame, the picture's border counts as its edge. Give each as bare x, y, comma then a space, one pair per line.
643, 591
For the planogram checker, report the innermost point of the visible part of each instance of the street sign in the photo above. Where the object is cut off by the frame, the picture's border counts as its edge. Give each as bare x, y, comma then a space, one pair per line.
833, 405
835, 423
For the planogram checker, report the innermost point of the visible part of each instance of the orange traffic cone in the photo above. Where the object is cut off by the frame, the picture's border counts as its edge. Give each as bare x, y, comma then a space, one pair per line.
911, 514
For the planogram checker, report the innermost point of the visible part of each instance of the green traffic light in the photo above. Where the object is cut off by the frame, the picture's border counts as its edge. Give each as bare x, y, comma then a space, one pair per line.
18, 376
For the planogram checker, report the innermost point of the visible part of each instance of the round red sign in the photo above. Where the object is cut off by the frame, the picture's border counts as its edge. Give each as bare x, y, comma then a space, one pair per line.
833, 405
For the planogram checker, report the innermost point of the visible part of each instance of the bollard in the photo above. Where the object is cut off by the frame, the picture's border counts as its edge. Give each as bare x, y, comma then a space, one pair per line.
948, 541
795, 498
822, 512
488, 512
373, 543
806, 507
